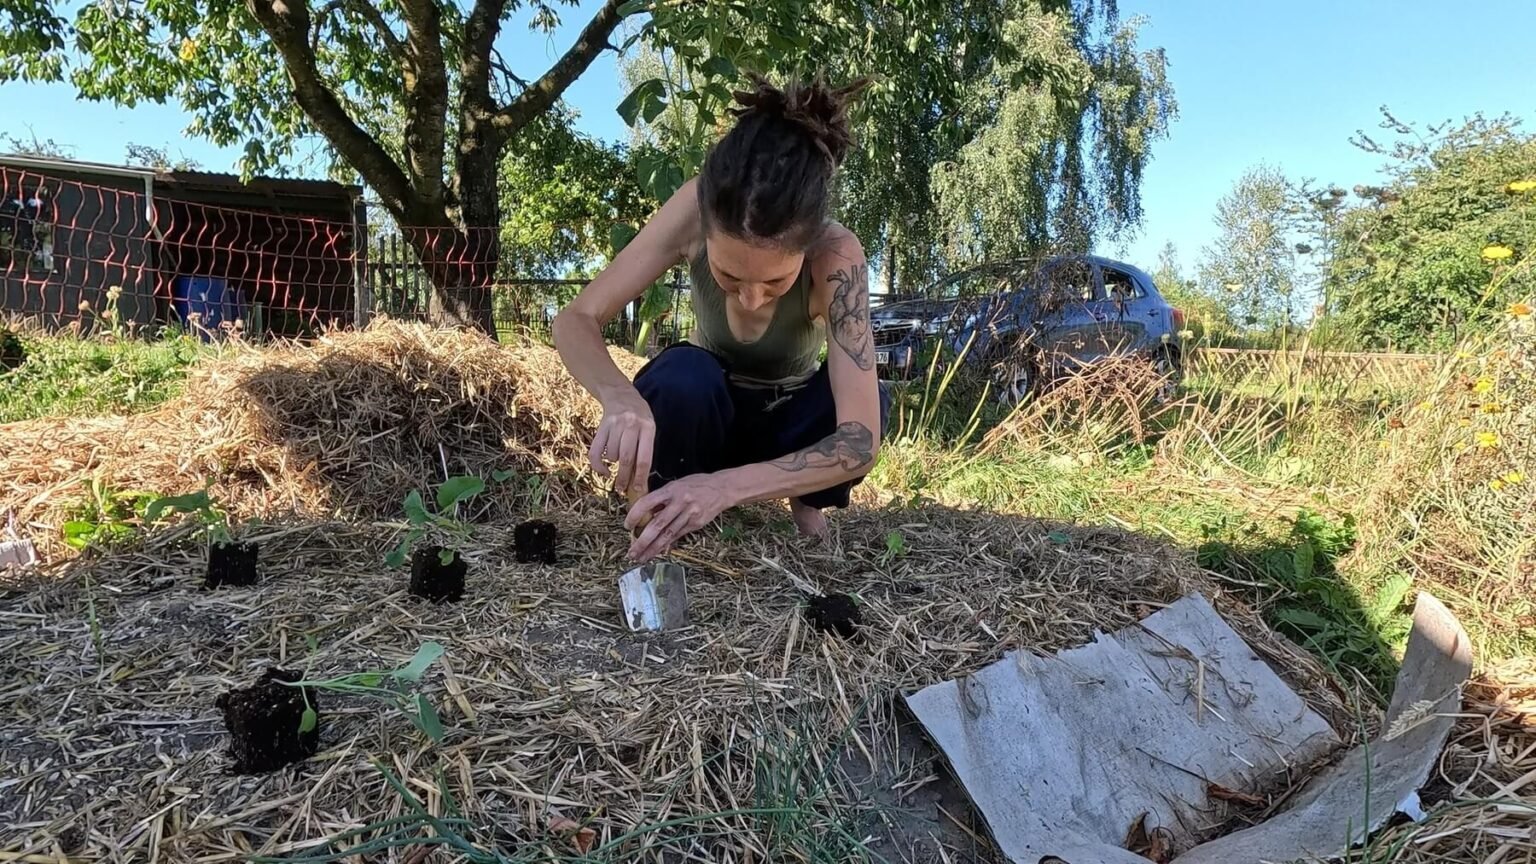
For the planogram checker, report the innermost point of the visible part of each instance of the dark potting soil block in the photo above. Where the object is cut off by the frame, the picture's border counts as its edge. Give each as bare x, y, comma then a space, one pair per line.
434, 580
264, 723
534, 542
231, 564
834, 613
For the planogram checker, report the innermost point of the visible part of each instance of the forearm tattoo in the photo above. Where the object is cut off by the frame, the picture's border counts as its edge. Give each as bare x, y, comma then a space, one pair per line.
849, 315
850, 448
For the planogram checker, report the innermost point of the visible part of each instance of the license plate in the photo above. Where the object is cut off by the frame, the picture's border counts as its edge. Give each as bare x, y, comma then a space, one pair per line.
882, 357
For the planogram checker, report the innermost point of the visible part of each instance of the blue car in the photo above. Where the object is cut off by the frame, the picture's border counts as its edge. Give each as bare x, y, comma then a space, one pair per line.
1028, 324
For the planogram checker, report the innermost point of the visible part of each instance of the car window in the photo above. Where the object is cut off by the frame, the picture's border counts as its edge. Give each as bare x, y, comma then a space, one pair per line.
1119, 285
1069, 281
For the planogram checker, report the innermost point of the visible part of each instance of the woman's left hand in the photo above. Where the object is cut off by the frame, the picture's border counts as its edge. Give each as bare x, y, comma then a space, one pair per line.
675, 510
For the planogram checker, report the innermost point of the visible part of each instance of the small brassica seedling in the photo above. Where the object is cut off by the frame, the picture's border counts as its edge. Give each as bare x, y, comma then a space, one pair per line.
386, 686
215, 521
420, 521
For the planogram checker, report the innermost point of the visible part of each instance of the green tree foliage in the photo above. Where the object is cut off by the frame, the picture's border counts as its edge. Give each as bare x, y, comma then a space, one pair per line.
564, 192
1252, 263
1039, 115
1206, 316
1408, 270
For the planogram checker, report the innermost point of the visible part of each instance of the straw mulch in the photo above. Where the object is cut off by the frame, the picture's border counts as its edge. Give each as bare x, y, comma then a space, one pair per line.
748, 737
344, 427
554, 710
1485, 809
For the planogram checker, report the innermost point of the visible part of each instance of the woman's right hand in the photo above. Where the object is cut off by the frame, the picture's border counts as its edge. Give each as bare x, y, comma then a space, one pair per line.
627, 436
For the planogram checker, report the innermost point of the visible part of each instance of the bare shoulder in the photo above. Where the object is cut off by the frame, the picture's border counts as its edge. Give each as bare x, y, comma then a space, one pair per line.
679, 216
838, 267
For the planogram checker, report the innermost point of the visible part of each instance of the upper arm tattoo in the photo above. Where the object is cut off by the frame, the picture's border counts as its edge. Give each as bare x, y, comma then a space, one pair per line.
848, 315
851, 447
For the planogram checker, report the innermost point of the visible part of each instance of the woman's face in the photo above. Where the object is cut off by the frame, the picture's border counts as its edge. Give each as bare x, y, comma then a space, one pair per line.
754, 274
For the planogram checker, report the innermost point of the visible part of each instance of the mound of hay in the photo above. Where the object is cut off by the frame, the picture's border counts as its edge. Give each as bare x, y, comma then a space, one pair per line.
749, 736
346, 426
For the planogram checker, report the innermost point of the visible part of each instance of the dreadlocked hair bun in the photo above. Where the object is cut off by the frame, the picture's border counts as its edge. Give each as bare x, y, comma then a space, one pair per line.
770, 177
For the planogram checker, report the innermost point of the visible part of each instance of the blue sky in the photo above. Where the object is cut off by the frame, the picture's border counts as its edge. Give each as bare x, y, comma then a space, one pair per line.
1285, 83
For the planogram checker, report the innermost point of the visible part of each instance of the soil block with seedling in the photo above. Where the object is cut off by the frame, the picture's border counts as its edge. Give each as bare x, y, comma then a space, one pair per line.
534, 542
231, 563
437, 574
834, 613
267, 724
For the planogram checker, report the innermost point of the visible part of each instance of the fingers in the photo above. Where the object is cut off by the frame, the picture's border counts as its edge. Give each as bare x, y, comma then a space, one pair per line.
658, 536
625, 456
640, 513
599, 444
644, 452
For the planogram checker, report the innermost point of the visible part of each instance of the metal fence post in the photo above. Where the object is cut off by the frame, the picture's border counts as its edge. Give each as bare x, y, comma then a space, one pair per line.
362, 300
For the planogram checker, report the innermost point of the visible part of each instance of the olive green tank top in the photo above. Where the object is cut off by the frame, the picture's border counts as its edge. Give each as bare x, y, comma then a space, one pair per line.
789, 351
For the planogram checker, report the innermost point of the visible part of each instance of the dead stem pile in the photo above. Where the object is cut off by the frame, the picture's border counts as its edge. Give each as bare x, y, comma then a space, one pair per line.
1100, 407
343, 427
752, 732
1487, 777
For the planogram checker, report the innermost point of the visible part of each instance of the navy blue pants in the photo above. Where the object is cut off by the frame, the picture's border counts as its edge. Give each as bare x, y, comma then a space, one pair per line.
705, 423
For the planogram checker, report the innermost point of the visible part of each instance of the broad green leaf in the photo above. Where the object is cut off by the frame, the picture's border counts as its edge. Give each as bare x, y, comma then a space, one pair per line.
1304, 560
309, 721
312, 642
1060, 538
644, 102
416, 509
620, 235
427, 720
188, 503
425, 656
456, 489
719, 66
1304, 619
502, 476
368, 679
445, 556
632, 6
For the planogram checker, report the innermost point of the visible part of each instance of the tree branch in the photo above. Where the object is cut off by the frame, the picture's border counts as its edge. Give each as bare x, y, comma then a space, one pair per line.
426, 97
537, 99
287, 24
373, 16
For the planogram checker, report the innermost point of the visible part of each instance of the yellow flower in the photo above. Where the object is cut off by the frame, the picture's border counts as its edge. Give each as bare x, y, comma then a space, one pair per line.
1514, 478
1491, 408
1483, 386
188, 50
1495, 484
1487, 440
1463, 355
1520, 310
1426, 405
1497, 253
1520, 186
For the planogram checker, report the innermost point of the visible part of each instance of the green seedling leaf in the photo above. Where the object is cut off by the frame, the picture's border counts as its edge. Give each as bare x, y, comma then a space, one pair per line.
311, 642
1303, 618
368, 679
895, 544
1060, 538
78, 534
445, 556
309, 721
501, 476
456, 489
427, 720
396, 558
191, 502
416, 509
425, 656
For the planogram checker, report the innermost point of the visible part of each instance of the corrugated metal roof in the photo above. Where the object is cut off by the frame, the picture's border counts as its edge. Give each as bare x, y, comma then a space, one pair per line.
201, 179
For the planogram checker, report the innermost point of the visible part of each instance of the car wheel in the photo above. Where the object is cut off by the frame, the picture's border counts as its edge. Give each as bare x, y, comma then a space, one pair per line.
1170, 373
1016, 381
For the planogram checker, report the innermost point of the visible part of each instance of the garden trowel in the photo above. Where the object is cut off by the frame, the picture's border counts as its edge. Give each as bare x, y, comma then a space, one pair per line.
654, 595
